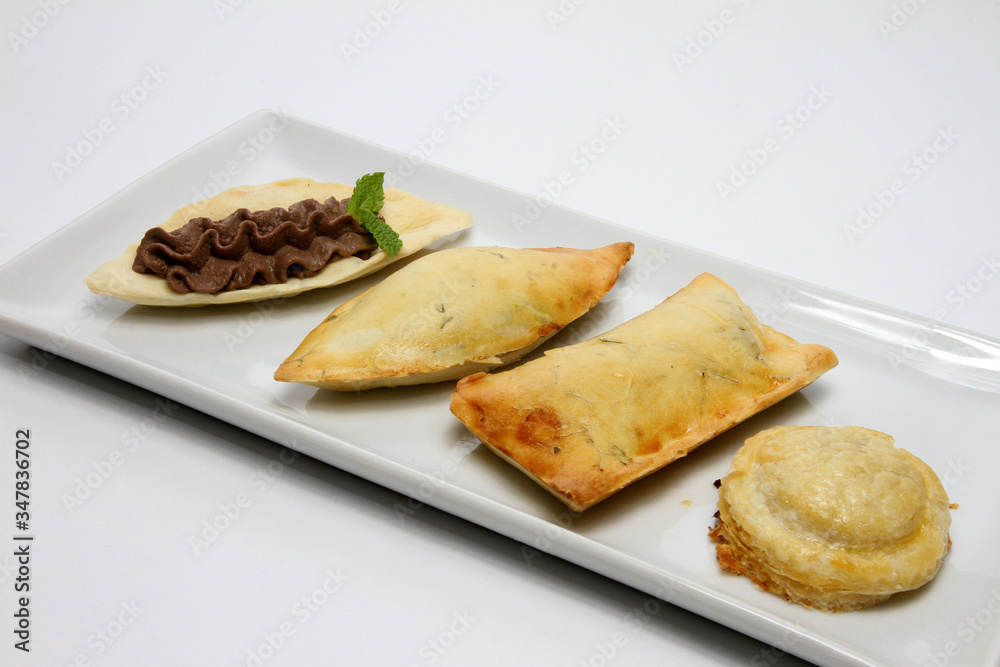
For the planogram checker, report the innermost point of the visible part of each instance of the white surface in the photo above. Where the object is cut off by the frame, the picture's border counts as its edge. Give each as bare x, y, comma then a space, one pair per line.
674, 132
651, 536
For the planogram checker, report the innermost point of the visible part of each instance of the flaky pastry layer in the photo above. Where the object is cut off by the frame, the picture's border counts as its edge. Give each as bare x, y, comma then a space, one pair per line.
835, 518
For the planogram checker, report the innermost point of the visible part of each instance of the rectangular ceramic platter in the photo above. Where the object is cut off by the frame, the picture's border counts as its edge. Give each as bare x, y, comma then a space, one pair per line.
935, 388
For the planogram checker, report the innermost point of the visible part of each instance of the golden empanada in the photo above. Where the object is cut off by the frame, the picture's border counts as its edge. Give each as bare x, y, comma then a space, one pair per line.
453, 313
835, 518
418, 223
586, 420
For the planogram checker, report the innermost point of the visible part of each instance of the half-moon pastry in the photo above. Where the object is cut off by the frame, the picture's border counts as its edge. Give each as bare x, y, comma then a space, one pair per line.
452, 313
586, 420
835, 518
417, 222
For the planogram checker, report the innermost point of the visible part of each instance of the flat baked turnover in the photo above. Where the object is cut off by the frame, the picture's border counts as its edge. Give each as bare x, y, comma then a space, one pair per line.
835, 518
586, 420
452, 313
417, 222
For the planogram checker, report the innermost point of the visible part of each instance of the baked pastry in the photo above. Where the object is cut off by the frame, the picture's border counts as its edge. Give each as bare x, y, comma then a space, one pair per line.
453, 313
835, 518
417, 222
586, 420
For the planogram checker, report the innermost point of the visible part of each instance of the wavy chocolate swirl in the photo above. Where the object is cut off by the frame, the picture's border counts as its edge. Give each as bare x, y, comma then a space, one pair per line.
259, 248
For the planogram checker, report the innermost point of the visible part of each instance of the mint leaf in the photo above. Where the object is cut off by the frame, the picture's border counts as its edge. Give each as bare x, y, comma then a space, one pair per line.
368, 194
385, 236
364, 205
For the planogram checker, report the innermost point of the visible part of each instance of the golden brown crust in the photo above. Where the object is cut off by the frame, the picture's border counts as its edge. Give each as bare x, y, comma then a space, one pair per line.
453, 313
835, 518
586, 420
418, 223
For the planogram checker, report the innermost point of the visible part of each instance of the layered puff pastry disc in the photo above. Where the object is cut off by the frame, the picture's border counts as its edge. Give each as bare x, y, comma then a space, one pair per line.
835, 518
417, 221
586, 420
453, 313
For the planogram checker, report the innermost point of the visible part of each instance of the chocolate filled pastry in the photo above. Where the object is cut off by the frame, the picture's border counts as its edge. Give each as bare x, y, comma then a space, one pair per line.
586, 420
452, 313
835, 518
278, 239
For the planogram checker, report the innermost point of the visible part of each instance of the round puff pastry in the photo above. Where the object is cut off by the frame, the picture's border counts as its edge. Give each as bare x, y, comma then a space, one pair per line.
835, 518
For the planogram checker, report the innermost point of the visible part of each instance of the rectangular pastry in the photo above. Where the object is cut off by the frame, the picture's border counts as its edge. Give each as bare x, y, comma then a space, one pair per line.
586, 420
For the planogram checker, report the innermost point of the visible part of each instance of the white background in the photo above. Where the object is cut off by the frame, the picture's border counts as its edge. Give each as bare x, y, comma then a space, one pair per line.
647, 112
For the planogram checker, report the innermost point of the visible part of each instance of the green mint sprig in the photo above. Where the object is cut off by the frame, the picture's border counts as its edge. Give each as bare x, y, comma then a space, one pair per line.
364, 205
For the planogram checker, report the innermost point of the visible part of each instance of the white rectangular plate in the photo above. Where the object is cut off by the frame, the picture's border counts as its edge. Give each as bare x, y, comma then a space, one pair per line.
935, 388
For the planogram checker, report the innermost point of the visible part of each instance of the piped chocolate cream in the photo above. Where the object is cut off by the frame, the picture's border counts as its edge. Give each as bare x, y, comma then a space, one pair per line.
253, 248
